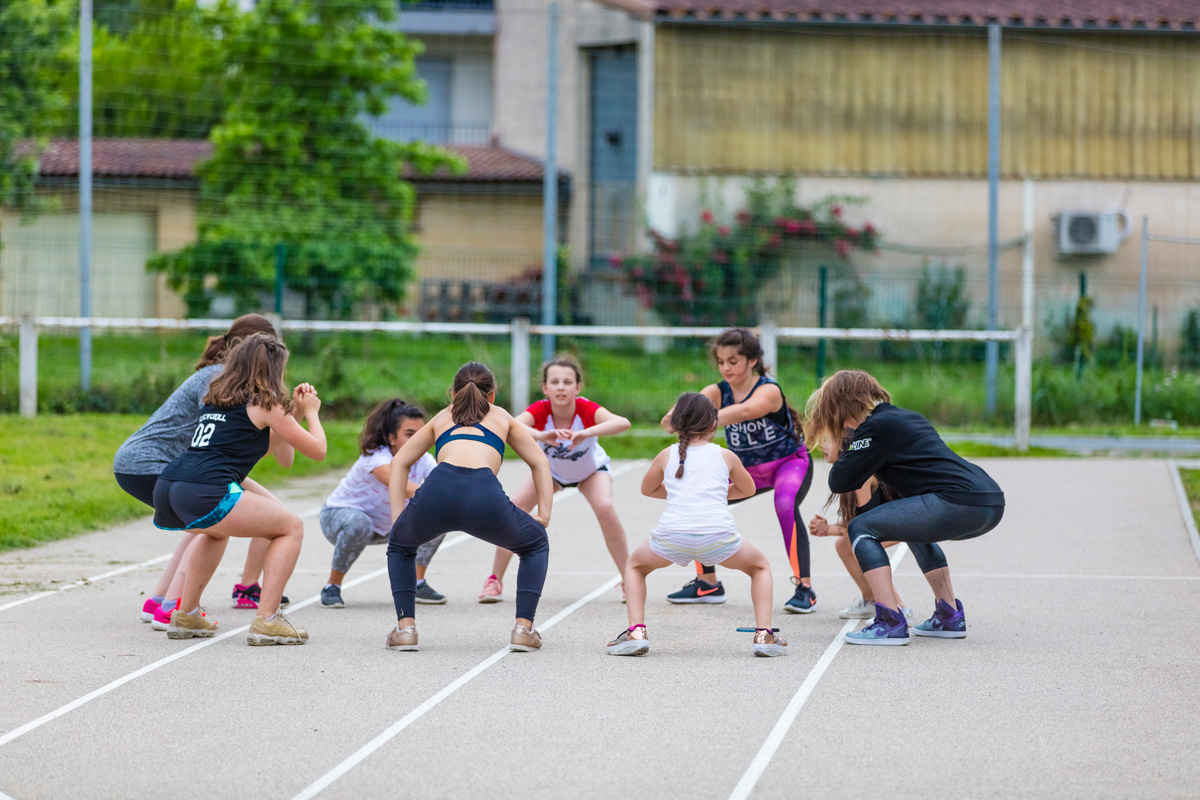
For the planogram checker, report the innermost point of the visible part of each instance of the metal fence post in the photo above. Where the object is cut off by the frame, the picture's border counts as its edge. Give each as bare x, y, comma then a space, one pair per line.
520, 365
28, 369
1024, 381
822, 307
1141, 324
770, 345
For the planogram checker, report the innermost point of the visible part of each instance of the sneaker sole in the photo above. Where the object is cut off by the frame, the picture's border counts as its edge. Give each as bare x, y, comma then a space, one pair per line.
406, 648
158, 626
522, 648
188, 633
879, 642
425, 602
236, 604
809, 610
333, 605
634, 648
258, 640
769, 650
489, 599
687, 601
147, 617
940, 634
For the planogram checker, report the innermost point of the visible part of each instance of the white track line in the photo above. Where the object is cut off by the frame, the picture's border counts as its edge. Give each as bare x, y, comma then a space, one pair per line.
320, 784
1185, 507
3, 796
777, 734
112, 573
16, 733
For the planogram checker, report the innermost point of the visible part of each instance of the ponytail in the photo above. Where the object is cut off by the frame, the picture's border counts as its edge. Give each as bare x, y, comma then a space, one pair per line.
472, 385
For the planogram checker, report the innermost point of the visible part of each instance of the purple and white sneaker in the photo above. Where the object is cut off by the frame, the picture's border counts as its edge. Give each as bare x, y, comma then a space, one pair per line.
946, 622
889, 628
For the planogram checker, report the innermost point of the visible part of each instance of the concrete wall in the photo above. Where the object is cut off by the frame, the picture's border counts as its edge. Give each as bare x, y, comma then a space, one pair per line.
944, 223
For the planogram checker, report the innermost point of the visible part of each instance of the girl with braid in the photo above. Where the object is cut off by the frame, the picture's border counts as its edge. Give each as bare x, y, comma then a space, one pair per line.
764, 432
697, 479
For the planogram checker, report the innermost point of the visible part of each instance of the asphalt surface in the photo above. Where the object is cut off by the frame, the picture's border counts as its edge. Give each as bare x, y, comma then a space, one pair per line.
1080, 676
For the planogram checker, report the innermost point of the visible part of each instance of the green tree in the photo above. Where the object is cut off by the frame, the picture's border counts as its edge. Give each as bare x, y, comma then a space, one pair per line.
31, 55
294, 164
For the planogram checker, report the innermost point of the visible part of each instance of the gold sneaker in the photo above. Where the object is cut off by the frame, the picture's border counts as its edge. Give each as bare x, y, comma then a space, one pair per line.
278, 631
185, 626
630, 643
403, 638
768, 644
523, 640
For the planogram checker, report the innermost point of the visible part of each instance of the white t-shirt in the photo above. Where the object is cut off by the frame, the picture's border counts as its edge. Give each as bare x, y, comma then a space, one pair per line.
571, 465
699, 501
362, 491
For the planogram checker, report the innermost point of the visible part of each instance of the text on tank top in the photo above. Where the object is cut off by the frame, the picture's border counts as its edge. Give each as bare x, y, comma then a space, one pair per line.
225, 447
767, 438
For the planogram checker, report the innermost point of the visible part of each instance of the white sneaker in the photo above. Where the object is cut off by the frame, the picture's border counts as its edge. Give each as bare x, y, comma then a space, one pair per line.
859, 609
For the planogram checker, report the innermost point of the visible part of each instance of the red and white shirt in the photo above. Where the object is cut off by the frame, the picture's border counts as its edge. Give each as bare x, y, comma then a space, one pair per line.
569, 466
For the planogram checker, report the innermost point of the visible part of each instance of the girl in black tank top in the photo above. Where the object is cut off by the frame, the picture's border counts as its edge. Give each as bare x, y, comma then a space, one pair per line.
247, 413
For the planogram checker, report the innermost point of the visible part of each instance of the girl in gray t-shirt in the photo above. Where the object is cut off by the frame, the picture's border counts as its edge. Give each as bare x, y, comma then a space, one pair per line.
165, 435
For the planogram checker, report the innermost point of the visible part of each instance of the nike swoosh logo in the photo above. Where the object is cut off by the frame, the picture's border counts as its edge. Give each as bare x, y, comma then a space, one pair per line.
702, 592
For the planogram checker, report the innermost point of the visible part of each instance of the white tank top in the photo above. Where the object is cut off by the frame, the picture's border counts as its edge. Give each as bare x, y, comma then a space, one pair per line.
699, 501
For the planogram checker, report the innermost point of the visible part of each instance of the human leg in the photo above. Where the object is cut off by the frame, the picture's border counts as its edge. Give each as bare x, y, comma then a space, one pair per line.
641, 562
750, 560
597, 490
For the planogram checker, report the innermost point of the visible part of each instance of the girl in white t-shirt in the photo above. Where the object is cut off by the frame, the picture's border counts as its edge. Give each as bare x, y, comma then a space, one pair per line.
358, 513
567, 427
698, 479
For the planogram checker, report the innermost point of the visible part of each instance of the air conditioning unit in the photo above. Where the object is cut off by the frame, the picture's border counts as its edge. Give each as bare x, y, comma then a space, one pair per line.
1091, 232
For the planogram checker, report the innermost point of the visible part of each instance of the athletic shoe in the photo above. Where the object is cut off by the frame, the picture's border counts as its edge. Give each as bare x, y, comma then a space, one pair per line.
185, 626
889, 628
253, 595
698, 591
768, 644
630, 642
279, 630
946, 622
492, 588
523, 640
148, 609
427, 595
331, 597
402, 638
804, 601
162, 619
859, 609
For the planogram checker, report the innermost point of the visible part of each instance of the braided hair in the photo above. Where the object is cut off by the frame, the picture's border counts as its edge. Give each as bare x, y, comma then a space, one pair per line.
694, 415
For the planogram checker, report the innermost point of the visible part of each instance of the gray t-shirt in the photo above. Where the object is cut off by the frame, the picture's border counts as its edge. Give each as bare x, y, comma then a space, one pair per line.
169, 432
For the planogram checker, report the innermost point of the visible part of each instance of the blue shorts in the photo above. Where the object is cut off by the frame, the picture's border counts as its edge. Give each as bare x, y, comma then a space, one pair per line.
183, 506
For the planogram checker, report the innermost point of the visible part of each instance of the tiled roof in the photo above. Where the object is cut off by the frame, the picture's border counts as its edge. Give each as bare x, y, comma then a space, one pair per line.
1165, 15
177, 158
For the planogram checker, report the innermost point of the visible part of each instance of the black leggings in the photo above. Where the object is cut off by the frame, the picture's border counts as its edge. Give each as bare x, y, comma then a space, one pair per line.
140, 487
920, 522
457, 498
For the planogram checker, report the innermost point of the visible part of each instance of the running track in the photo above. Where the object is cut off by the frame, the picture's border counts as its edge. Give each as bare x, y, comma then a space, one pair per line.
1080, 677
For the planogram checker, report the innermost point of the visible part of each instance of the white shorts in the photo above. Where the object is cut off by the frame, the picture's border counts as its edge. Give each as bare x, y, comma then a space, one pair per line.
684, 548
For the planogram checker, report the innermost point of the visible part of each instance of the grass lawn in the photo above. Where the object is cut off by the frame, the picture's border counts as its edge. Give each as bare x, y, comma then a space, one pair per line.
1191, 484
57, 470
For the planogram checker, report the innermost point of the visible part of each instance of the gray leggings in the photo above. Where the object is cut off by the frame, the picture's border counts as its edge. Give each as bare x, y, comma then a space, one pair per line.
350, 531
921, 522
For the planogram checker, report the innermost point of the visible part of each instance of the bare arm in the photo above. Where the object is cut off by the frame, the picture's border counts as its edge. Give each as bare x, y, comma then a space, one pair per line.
383, 474
743, 484
652, 481
766, 400
287, 430
712, 392
525, 420
398, 483
607, 424
524, 446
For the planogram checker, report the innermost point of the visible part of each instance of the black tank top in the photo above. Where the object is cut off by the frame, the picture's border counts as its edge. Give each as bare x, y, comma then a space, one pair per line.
225, 447
758, 441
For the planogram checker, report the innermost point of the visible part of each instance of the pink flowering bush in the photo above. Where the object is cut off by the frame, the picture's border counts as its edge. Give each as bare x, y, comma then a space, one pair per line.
712, 275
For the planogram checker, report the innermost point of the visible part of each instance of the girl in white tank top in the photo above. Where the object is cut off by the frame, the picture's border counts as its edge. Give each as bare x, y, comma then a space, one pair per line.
694, 477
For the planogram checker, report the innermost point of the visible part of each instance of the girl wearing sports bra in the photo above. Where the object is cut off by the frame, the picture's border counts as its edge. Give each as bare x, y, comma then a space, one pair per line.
567, 427
247, 413
764, 432
463, 494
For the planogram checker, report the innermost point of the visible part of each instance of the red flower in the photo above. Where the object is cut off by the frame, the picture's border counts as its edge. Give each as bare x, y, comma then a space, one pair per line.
836, 211
720, 257
743, 217
724, 230
614, 261
808, 227
638, 272
842, 247
852, 233
706, 217
791, 226
869, 229
774, 241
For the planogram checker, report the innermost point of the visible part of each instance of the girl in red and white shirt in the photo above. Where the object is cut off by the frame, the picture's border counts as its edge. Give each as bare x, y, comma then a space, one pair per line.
567, 427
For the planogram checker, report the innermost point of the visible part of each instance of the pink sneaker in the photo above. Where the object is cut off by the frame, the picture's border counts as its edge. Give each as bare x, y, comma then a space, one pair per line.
244, 596
148, 609
492, 588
